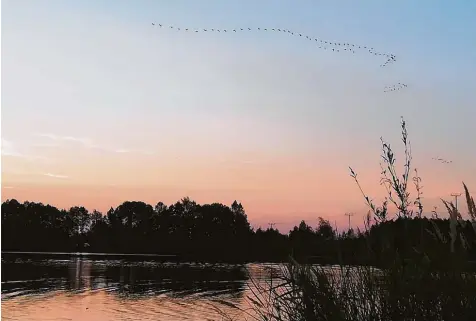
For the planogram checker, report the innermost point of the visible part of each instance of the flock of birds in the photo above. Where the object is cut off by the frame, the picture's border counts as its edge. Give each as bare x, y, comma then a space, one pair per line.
321, 44
441, 160
398, 86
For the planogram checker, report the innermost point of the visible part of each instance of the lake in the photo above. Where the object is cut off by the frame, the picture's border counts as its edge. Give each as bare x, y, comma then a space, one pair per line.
63, 286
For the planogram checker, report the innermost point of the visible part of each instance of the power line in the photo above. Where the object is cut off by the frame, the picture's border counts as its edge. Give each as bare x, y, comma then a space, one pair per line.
456, 195
273, 224
349, 215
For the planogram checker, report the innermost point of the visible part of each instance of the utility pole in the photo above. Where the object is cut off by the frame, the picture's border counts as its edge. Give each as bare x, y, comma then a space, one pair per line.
349, 215
272, 225
456, 195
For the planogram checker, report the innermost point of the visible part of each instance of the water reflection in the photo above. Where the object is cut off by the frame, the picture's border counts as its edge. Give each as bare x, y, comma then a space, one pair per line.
92, 288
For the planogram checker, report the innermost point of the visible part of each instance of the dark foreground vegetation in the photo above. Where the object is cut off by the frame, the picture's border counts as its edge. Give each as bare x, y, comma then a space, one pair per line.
423, 269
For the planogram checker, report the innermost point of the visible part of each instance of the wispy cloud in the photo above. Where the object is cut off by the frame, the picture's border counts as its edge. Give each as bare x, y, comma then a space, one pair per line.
84, 141
12, 150
88, 143
56, 176
45, 145
8, 149
132, 151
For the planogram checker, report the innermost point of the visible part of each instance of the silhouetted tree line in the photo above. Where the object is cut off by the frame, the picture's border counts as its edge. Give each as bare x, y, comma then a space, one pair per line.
214, 232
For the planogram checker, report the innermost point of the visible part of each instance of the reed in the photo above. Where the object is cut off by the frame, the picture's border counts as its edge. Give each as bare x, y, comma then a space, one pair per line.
411, 283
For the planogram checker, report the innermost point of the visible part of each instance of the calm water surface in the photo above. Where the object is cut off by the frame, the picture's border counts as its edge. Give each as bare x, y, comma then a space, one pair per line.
102, 288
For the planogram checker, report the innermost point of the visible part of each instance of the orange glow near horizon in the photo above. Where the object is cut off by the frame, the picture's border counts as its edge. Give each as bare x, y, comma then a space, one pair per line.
283, 191
117, 109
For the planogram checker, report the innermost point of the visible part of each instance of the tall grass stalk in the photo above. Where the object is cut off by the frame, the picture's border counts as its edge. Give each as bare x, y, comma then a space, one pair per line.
410, 285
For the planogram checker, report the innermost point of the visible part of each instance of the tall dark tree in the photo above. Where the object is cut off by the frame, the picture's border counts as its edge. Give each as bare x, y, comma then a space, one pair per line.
325, 230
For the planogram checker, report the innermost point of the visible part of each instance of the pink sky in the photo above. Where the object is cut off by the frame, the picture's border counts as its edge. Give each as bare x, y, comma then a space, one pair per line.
272, 192
113, 110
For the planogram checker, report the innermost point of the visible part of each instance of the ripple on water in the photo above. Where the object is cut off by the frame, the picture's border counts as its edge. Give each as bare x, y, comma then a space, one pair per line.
99, 289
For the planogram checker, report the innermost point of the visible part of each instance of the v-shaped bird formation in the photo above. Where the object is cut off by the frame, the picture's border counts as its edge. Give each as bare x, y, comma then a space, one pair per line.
333, 46
321, 43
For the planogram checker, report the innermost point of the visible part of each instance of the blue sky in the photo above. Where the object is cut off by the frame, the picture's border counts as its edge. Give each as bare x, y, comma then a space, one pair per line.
115, 95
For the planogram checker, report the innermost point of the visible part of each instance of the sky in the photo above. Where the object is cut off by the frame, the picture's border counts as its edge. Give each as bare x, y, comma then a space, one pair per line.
99, 106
